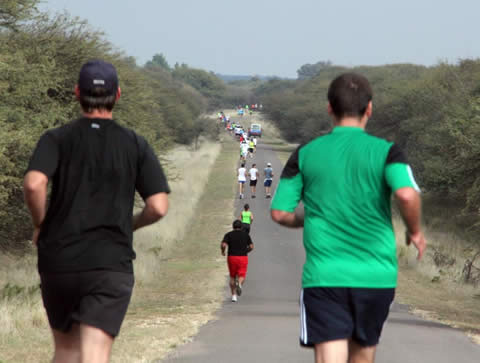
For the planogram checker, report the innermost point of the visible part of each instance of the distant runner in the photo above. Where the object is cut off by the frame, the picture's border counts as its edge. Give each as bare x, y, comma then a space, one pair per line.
268, 173
243, 150
251, 147
253, 174
242, 178
246, 216
239, 245
254, 144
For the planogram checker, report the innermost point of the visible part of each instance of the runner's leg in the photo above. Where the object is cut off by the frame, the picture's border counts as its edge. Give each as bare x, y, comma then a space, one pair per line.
96, 344
335, 351
232, 285
67, 345
359, 354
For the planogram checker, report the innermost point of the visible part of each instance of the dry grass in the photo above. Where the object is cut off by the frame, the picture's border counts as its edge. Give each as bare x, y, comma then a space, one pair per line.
156, 301
151, 243
435, 286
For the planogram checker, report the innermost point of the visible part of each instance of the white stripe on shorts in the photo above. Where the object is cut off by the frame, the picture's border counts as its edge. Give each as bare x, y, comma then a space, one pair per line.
303, 321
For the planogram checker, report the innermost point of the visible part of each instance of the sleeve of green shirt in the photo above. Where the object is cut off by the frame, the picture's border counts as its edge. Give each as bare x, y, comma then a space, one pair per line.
398, 173
290, 188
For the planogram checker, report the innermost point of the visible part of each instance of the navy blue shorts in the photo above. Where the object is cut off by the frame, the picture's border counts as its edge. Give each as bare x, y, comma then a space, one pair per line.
267, 183
332, 313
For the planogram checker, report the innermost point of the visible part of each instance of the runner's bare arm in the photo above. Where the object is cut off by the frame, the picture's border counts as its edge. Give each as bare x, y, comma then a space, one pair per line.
156, 207
35, 193
409, 204
223, 247
287, 219
250, 247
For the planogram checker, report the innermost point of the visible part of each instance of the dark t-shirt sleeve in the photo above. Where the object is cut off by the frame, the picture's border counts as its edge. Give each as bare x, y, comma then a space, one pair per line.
396, 155
291, 168
151, 179
45, 157
249, 240
226, 238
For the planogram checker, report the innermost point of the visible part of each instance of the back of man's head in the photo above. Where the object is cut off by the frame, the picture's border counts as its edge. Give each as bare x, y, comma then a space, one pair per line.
98, 86
237, 224
349, 95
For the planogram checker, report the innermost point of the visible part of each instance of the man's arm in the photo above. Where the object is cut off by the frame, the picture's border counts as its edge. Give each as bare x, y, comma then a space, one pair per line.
156, 207
250, 247
409, 204
223, 247
288, 194
35, 194
399, 177
287, 219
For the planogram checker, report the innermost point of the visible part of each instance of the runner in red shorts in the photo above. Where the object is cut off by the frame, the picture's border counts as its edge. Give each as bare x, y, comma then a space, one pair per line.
239, 245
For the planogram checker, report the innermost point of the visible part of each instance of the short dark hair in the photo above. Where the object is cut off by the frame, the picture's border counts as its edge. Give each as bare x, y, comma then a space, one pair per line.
349, 95
237, 224
246, 206
97, 99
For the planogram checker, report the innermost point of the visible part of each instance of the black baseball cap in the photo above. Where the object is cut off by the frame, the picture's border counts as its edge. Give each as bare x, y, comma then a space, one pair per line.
97, 74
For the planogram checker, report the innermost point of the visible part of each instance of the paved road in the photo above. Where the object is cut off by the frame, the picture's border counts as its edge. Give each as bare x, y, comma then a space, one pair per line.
263, 326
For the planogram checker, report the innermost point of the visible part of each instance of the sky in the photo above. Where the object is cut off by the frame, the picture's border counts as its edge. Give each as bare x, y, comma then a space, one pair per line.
276, 37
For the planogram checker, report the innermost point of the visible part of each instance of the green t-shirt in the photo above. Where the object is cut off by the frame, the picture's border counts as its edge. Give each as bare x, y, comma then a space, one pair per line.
345, 180
246, 217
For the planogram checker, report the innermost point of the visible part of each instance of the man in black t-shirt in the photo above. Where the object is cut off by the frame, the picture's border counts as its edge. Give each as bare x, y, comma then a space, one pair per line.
84, 238
239, 245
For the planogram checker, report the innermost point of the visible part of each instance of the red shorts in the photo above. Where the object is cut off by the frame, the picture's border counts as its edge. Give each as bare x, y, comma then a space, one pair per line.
237, 265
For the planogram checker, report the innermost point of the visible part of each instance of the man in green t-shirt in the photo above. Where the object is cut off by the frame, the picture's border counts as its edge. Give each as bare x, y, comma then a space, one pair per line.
345, 180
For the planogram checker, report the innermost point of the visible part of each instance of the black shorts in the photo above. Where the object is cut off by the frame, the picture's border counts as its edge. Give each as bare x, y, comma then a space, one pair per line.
246, 227
98, 298
250, 149
328, 314
253, 183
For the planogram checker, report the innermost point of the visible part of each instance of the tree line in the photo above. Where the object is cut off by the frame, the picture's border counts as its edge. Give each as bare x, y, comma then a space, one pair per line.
432, 112
40, 57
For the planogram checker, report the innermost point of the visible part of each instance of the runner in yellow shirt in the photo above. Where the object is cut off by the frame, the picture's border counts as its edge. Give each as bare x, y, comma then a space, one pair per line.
247, 218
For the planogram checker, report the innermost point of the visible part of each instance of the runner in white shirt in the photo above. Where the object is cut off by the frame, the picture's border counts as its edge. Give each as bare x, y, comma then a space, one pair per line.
253, 172
243, 150
242, 178
255, 144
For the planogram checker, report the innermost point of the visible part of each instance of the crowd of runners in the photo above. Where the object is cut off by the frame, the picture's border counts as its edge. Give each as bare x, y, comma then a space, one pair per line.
84, 233
238, 242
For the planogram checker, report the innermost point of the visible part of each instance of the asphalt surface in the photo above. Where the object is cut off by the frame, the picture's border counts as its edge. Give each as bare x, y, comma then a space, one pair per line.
263, 326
